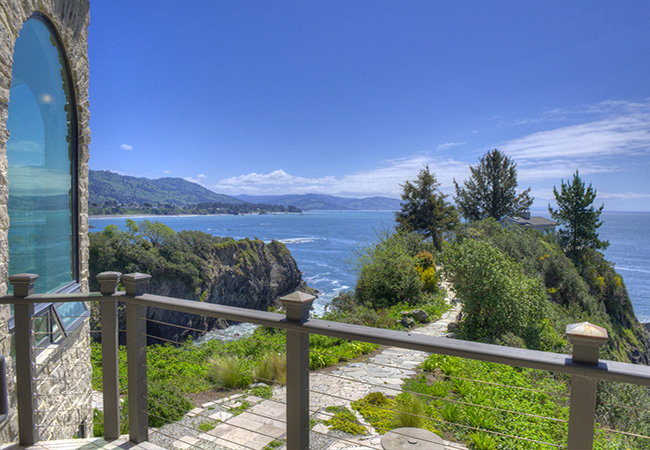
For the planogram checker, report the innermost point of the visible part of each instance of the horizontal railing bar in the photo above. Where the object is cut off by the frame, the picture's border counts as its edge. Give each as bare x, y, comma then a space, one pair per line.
58, 298
532, 359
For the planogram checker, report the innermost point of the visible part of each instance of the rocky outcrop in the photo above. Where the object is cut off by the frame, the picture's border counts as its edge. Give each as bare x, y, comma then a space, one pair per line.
245, 273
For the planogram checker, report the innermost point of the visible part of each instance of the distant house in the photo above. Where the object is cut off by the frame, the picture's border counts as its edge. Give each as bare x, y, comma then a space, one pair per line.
541, 224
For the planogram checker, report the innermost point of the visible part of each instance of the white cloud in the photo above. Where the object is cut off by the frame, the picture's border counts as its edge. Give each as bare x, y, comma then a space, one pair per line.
167, 172
610, 134
126, 147
384, 180
606, 137
201, 176
449, 145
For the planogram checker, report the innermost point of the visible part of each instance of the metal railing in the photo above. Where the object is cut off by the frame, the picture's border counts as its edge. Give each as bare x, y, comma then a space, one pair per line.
583, 366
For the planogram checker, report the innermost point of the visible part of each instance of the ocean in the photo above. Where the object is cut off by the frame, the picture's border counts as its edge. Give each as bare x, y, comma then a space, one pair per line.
325, 244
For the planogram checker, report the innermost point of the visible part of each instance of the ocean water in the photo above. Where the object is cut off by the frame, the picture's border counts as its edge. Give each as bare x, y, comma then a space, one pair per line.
325, 244
629, 250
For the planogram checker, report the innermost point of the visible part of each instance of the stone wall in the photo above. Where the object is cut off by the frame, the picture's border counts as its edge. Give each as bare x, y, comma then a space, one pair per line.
70, 18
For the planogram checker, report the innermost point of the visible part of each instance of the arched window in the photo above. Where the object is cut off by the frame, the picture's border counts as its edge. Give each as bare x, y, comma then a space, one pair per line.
41, 155
42, 175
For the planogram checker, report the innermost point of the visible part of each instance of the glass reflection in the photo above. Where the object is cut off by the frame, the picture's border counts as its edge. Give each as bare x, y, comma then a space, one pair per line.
40, 154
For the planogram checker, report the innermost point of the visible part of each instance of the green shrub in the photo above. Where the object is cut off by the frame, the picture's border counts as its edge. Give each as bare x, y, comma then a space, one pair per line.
497, 295
387, 271
165, 405
344, 420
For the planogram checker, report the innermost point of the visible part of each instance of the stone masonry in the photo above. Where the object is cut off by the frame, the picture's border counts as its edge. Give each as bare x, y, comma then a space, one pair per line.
70, 18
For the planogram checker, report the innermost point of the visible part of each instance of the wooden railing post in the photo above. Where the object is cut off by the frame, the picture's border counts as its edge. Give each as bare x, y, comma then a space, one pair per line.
297, 306
136, 353
110, 357
586, 339
23, 313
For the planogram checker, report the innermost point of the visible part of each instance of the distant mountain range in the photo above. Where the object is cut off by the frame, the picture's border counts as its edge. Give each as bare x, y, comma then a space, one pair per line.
325, 202
112, 187
106, 186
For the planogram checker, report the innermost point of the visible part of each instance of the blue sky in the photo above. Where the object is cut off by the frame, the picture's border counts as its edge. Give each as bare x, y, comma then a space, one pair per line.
351, 98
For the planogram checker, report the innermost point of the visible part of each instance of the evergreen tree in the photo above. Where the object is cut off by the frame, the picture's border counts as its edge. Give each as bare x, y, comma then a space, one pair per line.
577, 216
491, 190
425, 209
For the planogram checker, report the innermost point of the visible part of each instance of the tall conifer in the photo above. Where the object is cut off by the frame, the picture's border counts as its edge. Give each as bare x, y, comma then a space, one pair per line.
491, 190
425, 209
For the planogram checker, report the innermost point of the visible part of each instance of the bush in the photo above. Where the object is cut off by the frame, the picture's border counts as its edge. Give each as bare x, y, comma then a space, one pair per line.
388, 273
165, 405
497, 296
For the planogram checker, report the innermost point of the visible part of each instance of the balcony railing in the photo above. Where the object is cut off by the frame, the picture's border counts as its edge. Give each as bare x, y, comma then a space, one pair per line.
583, 366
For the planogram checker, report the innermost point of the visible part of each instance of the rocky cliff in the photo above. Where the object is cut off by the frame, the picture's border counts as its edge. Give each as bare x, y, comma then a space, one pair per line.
197, 266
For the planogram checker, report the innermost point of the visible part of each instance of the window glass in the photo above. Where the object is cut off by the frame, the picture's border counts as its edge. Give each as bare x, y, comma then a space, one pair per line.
40, 153
70, 312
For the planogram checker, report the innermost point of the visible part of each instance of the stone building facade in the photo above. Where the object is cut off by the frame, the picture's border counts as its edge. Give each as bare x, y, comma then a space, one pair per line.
62, 369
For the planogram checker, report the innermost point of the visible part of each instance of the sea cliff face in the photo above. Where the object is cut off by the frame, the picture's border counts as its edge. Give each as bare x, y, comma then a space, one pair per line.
197, 266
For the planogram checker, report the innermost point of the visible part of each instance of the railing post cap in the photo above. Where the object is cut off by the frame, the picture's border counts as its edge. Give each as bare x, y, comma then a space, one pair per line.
587, 330
23, 284
297, 305
135, 283
586, 339
108, 282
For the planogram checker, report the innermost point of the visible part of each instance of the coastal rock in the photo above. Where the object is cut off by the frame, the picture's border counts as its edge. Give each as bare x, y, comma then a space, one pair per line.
245, 273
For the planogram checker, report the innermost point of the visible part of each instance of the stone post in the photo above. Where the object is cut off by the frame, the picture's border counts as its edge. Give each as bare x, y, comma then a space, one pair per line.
136, 354
586, 339
23, 313
297, 306
110, 360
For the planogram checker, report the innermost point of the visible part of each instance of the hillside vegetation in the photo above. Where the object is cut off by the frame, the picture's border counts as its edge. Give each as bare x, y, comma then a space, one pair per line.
105, 186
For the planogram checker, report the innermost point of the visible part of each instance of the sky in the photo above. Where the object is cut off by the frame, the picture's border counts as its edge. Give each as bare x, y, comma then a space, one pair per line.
354, 97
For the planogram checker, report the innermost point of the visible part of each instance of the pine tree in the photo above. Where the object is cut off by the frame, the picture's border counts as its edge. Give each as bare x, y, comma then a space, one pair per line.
491, 190
577, 216
425, 209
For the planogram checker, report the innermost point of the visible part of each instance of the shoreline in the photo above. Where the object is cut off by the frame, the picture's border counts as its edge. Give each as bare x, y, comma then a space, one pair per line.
144, 216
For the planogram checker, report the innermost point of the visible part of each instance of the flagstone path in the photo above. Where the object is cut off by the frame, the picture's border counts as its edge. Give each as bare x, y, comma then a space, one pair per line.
264, 422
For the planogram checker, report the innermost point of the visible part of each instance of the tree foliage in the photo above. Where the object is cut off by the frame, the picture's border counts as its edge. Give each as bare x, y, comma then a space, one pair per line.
491, 190
498, 297
577, 216
425, 209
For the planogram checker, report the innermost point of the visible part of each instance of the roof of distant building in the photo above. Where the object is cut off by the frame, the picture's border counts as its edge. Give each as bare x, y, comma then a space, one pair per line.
534, 221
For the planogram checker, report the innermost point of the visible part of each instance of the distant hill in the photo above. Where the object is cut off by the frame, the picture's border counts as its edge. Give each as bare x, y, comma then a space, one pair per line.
110, 186
326, 202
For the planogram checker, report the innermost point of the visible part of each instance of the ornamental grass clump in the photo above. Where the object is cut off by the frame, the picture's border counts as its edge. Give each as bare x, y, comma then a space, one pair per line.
409, 411
228, 372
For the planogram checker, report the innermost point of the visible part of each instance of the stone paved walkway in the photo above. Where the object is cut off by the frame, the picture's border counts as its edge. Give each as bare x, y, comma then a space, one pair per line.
265, 420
